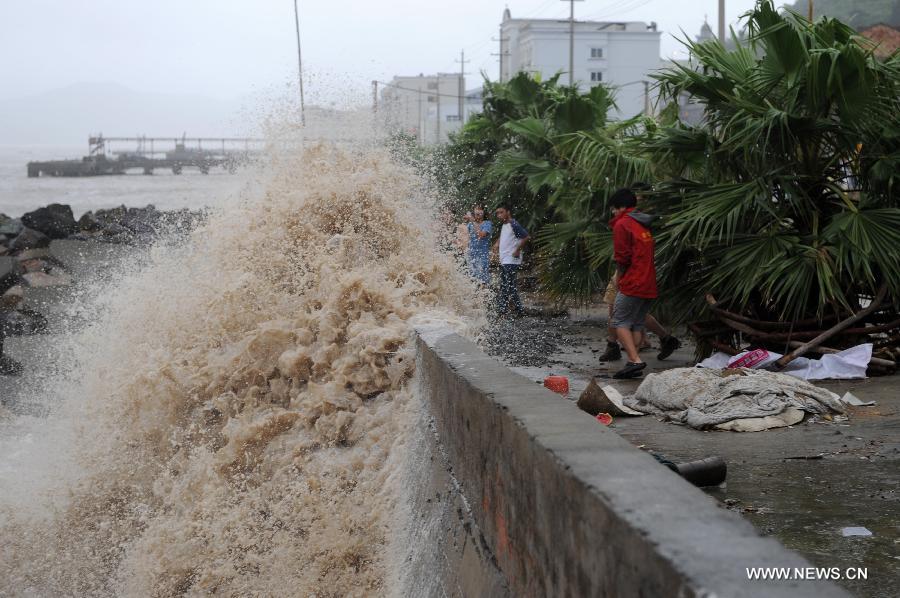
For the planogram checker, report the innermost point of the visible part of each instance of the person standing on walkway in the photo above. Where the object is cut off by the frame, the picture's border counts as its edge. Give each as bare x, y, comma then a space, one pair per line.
479, 245
512, 239
668, 343
633, 253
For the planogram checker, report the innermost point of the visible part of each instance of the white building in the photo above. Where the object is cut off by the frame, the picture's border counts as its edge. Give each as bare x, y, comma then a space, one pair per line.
621, 54
427, 107
473, 105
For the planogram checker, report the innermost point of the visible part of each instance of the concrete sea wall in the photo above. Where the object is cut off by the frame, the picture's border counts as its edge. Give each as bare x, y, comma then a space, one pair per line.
525, 495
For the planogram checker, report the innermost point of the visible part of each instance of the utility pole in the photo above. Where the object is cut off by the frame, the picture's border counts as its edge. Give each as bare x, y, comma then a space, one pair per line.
420, 133
299, 64
502, 52
438, 98
374, 108
810, 11
572, 40
722, 22
462, 85
375, 97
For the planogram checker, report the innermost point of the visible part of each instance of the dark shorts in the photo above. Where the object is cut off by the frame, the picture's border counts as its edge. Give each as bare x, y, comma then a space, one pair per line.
630, 312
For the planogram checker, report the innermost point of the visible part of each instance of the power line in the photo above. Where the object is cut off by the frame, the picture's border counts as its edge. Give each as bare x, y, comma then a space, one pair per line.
529, 15
413, 90
622, 7
462, 84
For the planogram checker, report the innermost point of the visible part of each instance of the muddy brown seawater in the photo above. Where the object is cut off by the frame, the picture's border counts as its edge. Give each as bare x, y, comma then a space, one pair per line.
234, 418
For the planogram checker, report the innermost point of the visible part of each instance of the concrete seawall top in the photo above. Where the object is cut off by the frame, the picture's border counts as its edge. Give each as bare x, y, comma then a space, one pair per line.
565, 507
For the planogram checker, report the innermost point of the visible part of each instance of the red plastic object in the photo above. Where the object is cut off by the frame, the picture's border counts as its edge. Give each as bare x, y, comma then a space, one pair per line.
604, 418
558, 384
751, 359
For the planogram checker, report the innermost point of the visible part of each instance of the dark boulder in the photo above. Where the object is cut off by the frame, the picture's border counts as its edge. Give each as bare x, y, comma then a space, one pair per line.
56, 221
116, 233
89, 223
38, 253
110, 216
142, 221
10, 273
8, 365
11, 228
24, 322
29, 239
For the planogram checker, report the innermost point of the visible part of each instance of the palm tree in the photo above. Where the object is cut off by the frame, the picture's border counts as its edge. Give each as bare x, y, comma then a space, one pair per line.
784, 203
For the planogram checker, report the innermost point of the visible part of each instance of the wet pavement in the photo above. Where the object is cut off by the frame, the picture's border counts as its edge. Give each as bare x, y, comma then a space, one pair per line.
801, 484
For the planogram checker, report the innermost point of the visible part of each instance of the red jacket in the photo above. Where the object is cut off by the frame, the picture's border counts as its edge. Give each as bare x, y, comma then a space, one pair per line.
633, 253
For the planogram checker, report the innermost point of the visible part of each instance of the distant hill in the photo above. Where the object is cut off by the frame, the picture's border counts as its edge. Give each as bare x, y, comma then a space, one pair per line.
856, 13
67, 116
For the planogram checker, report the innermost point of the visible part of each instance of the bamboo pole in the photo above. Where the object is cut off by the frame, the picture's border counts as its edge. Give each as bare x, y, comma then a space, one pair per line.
799, 351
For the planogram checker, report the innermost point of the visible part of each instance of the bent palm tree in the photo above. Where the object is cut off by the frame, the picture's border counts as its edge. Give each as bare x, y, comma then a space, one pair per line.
787, 203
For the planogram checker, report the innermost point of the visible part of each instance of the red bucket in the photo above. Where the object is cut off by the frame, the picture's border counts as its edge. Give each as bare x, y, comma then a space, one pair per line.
559, 384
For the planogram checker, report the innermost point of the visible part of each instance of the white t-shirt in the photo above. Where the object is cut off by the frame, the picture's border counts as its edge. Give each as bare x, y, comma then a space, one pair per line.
511, 235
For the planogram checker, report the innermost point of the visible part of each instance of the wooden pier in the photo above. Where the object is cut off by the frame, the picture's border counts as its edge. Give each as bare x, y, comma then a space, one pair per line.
150, 154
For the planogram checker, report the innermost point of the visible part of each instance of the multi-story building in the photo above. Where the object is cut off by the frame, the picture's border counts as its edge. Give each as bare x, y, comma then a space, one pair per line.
427, 107
621, 54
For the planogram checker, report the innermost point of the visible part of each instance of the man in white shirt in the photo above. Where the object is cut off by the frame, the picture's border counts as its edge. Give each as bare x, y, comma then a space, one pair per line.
512, 239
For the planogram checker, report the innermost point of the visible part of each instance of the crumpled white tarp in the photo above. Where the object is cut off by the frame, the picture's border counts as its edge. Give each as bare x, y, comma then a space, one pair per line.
706, 398
845, 365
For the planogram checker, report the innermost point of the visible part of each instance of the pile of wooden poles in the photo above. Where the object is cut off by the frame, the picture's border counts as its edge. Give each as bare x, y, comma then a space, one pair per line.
877, 323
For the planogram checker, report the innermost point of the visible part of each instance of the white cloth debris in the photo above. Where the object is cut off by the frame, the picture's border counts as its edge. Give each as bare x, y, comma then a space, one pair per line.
845, 365
616, 398
788, 417
705, 398
855, 531
850, 399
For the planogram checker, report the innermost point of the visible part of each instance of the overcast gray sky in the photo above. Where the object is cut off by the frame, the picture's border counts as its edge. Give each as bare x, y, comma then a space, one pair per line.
229, 48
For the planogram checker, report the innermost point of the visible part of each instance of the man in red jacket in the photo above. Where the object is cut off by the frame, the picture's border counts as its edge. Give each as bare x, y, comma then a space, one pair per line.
633, 254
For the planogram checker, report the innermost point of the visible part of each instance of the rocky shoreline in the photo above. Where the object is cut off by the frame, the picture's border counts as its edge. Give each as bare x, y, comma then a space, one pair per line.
45, 247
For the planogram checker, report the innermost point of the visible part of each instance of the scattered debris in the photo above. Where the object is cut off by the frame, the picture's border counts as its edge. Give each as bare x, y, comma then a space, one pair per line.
607, 399
711, 471
558, 384
604, 418
843, 365
855, 531
851, 399
745, 400
528, 341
